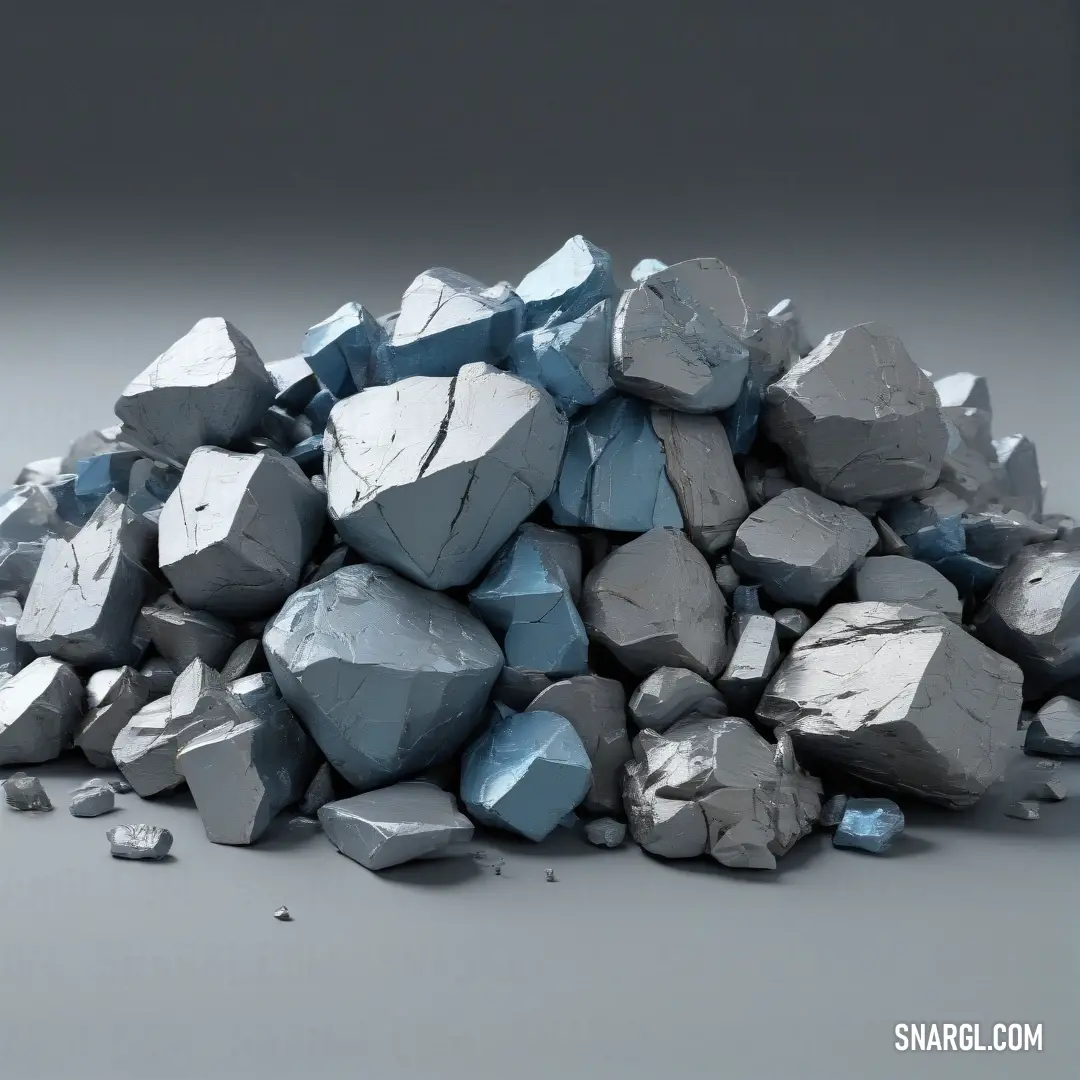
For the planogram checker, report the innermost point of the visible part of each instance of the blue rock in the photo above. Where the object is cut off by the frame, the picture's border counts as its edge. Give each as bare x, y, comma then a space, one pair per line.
308, 454
150, 485
613, 472
869, 825
570, 361
340, 349
318, 410
968, 573
526, 596
69, 507
746, 600
96, 476
525, 774
930, 536
741, 420
646, 268
448, 320
566, 285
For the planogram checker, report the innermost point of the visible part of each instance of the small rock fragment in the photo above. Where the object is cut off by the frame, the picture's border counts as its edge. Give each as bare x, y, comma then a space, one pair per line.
1024, 810
120, 787
296, 384
18, 565
1016, 455
895, 579
319, 792
39, 708
791, 624
26, 793
869, 825
318, 409
996, 537
752, 664
182, 635
832, 813
605, 832
891, 543
341, 349
151, 483
246, 659
92, 800
139, 842
114, 696
787, 315
566, 285
726, 577
669, 694
28, 515
282, 915
1055, 731
549, 875
517, 689
1052, 790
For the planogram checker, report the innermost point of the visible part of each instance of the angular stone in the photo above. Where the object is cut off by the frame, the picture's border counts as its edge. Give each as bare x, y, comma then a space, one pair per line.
669, 694
526, 597
395, 825
1055, 731
99, 441
182, 635
671, 348
891, 543
752, 664
72, 512
448, 320
570, 360
966, 470
243, 772
964, 390
18, 565
139, 842
787, 315
832, 813
432, 476
764, 481
1025, 810
613, 474
1016, 455
566, 285
151, 483
208, 389
997, 536
1052, 790
319, 792
13, 654
28, 515
791, 624
341, 349
279, 430
1032, 615
596, 707
238, 531
858, 419
388, 678
927, 532
800, 546
39, 708
715, 786
605, 832
654, 603
159, 674
318, 409
726, 578
246, 659
517, 689
644, 268
92, 800
85, 598
525, 773
43, 471
114, 696
895, 579
309, 454
26, 793
120, 787
871, 825
702, 473
296, 384
900, 697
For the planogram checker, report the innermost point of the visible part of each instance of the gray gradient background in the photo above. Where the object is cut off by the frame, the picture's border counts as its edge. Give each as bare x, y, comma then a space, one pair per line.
912, 163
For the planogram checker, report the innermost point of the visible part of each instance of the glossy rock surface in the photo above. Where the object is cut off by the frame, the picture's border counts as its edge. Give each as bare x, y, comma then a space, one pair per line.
871, 825
567, 284
139, 842
1055, 731
340, 349
907, 581
26, 793
92, 800
114, 696
39, 708
182, 635
671, 693
753, 661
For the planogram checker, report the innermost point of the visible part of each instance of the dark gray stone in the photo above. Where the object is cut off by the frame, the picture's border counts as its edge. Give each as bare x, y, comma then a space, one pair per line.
1016, 455
114, 696
28, 515
14, 655
294, 381
1055, 731
1025, 810
791, 624
895, 579
319, 792
605, 832
182, 635
92, 799
18, 565
26, 793
669, 694
832, 813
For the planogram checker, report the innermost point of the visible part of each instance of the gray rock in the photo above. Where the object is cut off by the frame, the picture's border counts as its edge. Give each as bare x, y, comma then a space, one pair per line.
605, 832
726, 578
319, 792
671, 693
388, 678
997, 536
282, 914
566, 285
341, 349
799, 546
120, 787
139, 842
28, 515
596, 707
966, 471
787, 315
895, 579
653, 603
871, 825
858, 419
1032, 615
150, 485
1016, 455
964, 390
702, 473
92, 799
715, 786
18, 565
756, 656
1024, 810
100, 441
891, 543
182, 635
432, 476
39, 708
43, 471
243, 772
791, 624
671, 348
208, 389
13, 653
294, 382
832, 813
83, 604
26, 793
1055, 731
396, 825
114, 696
897, 696
237, 532
246, 659
158, 673
1049, 790
764, 482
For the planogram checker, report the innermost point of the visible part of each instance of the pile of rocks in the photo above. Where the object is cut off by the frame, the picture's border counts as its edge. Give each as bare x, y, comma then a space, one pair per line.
512, 554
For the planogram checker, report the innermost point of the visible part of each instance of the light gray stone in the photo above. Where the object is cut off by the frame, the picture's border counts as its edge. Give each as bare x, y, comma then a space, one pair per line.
139, 842
895, 579
753, 661
92, 799
39, 708
671, 693
605, 832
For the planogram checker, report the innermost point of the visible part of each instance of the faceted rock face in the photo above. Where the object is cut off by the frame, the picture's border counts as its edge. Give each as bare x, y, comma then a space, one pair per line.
573, 280
832, 813
996, 537
869, 825
900, 697
150, 485
158, 672
1016, 455
752, 664
569, 360
669, 694
525, 773
526, 597
28, 515
1025, 810
26, 793
613, 474
702, 473
787, 315
208, 389
18, 565
516, 688
319, 792
87, 592
1055, 731
605, 832
596, 707
43, 471
245, 771
387, 677
182, 635
858, 419
396, 825
963, 390
13, 654
791, 623
296, 384
669, 347
895, 579
238, 531
246, 659
92, 800
644, 268
448, 320
39, 708
432, 476
341, 349
800, 546
139, 842
1032, 615
114, 695
715, 786
654, 603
